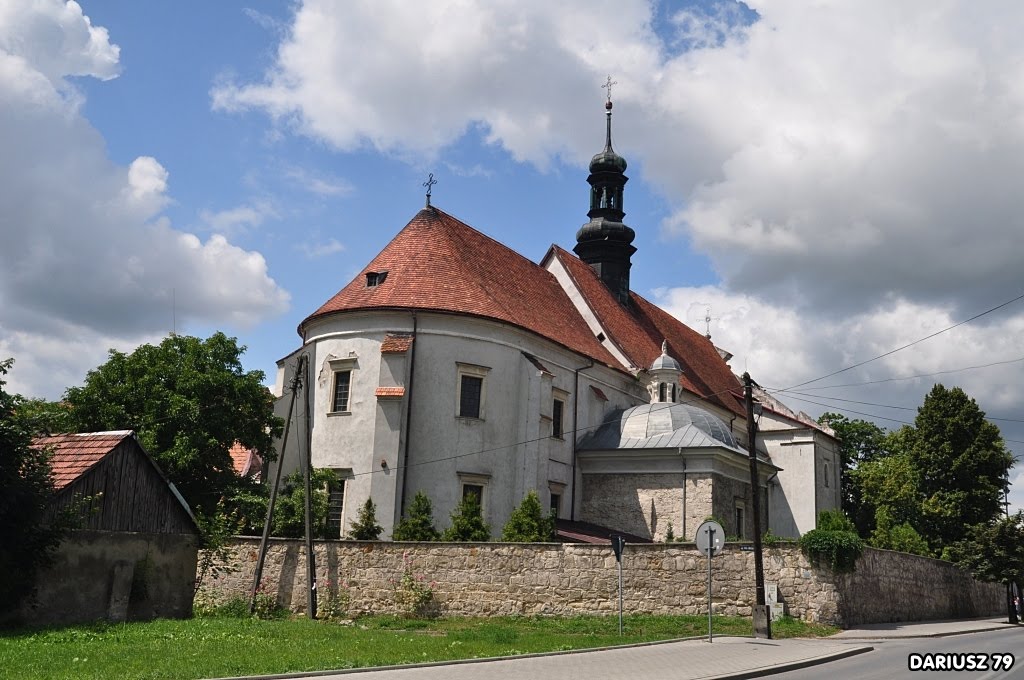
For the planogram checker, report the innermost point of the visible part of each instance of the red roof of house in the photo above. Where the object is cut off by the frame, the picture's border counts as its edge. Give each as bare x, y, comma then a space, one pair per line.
438, 263
245, 461
639, 331
396, 343
389, 392
74, 454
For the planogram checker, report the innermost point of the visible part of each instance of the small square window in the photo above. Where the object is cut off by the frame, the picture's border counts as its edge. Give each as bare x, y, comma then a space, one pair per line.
557, 409
342, 384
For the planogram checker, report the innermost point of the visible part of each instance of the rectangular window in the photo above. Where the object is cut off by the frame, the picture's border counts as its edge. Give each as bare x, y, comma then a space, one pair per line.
661, 392
342, 383
556, 500
557, 409
475, 490
470, 392
739, 521
335, 507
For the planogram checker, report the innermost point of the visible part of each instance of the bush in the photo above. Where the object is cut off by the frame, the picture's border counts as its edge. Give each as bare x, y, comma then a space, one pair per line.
902, 537
289, 518
365, 527
418, 525
839, 547
468, 522
527, 524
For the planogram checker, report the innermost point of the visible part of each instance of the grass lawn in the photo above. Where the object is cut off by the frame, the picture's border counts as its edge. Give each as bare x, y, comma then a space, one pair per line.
221, 647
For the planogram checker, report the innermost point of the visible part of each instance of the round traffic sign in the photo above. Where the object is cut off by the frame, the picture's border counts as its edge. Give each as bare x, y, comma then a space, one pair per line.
710, 538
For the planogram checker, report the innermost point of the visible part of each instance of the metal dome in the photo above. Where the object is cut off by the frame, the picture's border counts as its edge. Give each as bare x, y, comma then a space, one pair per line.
660, 426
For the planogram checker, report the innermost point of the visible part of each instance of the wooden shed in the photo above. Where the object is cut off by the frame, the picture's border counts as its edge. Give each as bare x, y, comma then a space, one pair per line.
133, 553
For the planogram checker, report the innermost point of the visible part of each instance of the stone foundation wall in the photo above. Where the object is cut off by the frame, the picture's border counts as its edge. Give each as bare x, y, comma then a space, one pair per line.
487, 579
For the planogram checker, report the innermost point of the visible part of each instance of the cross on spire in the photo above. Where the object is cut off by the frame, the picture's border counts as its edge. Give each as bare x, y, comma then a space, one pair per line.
608, 86
429, 184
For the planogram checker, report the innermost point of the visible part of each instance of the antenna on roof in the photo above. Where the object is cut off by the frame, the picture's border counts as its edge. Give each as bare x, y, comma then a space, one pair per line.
429, 184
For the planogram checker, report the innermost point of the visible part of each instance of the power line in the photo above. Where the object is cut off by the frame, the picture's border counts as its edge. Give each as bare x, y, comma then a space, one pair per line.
912, 377
910, 344
796, 395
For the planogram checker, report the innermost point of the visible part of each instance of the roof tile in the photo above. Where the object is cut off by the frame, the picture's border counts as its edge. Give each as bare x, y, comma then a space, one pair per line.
74, 454
396, 343
390, 392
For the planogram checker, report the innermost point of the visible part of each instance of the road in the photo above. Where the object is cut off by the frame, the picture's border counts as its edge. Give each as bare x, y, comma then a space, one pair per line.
890, 658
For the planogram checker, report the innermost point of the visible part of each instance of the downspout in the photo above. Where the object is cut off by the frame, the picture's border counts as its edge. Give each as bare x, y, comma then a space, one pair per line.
408, 419
683, 459
768, 498
575, 426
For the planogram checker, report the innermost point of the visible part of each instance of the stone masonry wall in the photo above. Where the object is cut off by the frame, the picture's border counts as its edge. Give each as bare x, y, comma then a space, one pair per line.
644, 504
487, 579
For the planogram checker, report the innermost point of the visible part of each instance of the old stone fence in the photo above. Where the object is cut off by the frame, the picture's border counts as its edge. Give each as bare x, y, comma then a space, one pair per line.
487, 579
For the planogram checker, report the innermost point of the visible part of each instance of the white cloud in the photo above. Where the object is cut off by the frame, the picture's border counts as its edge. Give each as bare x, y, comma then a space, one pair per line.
313, 251
87, 261
239, 218
322, 185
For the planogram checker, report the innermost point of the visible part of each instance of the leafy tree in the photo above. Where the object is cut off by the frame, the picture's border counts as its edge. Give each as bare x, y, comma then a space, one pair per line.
891, 536
860, 441
44, 417
892, 484
29, 536
963, 466
290, 507
994, 552
528, 523
365, 527
189, 400
468, 522
418, 524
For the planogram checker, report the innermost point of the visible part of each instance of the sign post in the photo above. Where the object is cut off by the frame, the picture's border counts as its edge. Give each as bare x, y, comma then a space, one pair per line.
618, 543
710, 539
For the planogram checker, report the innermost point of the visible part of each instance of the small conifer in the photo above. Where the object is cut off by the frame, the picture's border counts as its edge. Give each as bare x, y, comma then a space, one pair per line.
418, 524
468, 522
528, 524
365, 527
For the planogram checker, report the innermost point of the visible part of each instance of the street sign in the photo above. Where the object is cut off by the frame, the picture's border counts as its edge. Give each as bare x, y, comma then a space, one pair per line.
710, 538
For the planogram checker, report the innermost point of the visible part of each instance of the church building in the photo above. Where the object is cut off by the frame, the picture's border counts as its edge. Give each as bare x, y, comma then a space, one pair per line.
453, 365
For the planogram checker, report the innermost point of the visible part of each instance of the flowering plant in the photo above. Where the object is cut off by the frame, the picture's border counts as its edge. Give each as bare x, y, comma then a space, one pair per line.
413, 593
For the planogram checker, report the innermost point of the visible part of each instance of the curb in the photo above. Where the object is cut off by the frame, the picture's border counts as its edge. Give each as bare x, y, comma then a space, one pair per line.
752, 673
792, 665
911, 636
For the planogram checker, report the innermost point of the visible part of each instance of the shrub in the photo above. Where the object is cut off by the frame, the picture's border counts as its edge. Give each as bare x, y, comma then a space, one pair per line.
332, 601
902, 537
840, 548
413, 593
418, 525
365, 527
467, 522
670, 535
527, 524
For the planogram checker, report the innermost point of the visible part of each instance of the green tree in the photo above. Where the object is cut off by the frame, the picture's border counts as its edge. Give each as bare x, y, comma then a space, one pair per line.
963, 466
28, 534
365, 527
290, 507
44, 417
418, 524
833, 541
891, 484
891, 536
528, 523
189, 400
994, 552
860, 441
468, 522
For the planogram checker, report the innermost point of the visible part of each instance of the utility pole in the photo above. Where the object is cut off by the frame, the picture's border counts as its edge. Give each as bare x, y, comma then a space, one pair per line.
307, 461
761, 614
262, 556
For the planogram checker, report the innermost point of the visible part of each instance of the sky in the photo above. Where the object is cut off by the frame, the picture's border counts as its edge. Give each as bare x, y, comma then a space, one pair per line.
817, 184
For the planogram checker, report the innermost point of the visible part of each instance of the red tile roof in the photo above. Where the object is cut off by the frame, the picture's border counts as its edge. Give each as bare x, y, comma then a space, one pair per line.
392, 392
639, 331
246, 462
74, 454
395, 343
439, 263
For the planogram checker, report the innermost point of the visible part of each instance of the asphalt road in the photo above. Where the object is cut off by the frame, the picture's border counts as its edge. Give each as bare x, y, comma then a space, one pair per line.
890, 658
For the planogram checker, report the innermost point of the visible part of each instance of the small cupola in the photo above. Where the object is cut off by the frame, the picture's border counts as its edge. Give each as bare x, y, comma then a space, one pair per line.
605, 243
663, 377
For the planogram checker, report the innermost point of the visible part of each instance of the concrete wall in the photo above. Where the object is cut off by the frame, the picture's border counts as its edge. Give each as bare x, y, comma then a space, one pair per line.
487, 579
116, 576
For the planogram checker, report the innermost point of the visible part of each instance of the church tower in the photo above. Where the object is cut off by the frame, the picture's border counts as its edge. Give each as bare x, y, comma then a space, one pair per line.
605, 243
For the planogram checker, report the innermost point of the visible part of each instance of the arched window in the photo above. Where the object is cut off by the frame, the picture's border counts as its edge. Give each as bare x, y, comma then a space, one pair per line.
661, 391
673, 394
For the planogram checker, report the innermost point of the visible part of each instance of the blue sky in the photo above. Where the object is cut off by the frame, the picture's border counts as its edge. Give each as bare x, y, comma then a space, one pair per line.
834, 181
